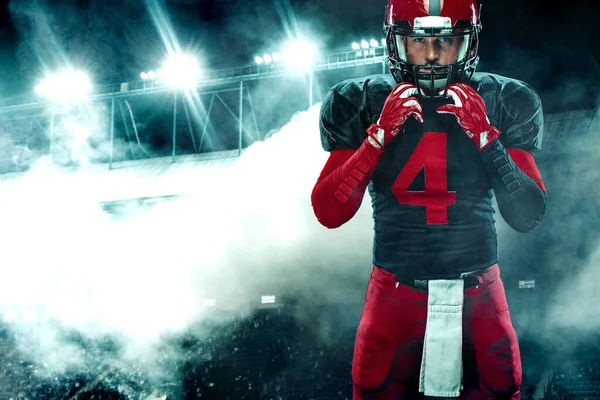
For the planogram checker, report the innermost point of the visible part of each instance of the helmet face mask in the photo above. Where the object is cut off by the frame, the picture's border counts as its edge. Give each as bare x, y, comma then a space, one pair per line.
410, 27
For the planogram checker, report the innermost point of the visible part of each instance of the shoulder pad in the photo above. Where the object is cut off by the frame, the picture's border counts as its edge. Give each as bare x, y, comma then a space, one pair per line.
349, 108
515, 109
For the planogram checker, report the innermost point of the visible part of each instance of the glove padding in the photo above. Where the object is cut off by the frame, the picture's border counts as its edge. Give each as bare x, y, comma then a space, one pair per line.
398, 106
471, 113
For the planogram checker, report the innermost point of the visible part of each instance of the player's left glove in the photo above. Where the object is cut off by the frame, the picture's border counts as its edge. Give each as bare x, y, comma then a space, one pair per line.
470, 112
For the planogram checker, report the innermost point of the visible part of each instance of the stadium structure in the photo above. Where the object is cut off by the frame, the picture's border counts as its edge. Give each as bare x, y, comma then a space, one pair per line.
195, 133
228, 89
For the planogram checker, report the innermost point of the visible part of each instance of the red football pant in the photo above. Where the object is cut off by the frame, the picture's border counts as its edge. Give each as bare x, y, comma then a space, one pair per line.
389, 341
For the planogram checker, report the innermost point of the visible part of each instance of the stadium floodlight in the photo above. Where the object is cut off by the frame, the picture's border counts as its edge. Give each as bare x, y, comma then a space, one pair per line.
383, 42
355, 46
66, 86
152, 76
181, 71
374, 43
364, 44
300, 54
267, 58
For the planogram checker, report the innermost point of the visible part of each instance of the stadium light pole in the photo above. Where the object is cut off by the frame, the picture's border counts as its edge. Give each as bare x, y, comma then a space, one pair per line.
302, 55
298, 54
175, 99
112, 131
182, 72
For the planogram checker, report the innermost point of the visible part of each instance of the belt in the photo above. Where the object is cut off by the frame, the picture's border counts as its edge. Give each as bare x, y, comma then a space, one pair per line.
423, 284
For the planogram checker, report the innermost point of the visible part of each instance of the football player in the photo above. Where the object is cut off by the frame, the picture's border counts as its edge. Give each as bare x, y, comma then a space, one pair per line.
433, 141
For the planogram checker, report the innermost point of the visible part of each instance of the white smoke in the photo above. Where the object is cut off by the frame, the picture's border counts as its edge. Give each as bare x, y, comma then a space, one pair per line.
575, 306
245, 231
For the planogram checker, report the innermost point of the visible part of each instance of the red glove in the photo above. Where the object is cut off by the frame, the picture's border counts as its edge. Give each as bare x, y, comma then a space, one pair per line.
399, 105
470, 112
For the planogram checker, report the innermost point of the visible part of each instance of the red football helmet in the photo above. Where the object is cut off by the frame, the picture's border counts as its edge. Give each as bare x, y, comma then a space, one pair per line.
432, 18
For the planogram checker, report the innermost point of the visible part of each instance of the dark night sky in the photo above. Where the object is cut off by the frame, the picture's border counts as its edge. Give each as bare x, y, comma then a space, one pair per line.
553, 48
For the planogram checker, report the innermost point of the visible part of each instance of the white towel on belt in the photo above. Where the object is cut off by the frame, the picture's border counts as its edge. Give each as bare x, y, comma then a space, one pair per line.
441, 365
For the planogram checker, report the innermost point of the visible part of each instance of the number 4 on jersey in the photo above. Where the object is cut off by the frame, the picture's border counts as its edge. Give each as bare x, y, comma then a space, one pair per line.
430, 155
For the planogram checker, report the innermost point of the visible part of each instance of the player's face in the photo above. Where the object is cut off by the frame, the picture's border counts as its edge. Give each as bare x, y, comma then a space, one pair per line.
439, 50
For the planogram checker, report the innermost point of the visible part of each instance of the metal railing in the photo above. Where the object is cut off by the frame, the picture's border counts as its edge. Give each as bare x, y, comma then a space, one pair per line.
346, 59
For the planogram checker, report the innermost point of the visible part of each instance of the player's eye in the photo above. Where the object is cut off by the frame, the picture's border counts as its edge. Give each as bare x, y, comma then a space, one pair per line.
445, 39
419, 40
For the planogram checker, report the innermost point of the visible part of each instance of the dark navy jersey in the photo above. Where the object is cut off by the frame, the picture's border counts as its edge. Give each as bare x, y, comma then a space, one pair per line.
431, 196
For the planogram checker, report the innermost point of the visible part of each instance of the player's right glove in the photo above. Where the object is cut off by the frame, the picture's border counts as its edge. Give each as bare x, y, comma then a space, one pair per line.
399, 105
